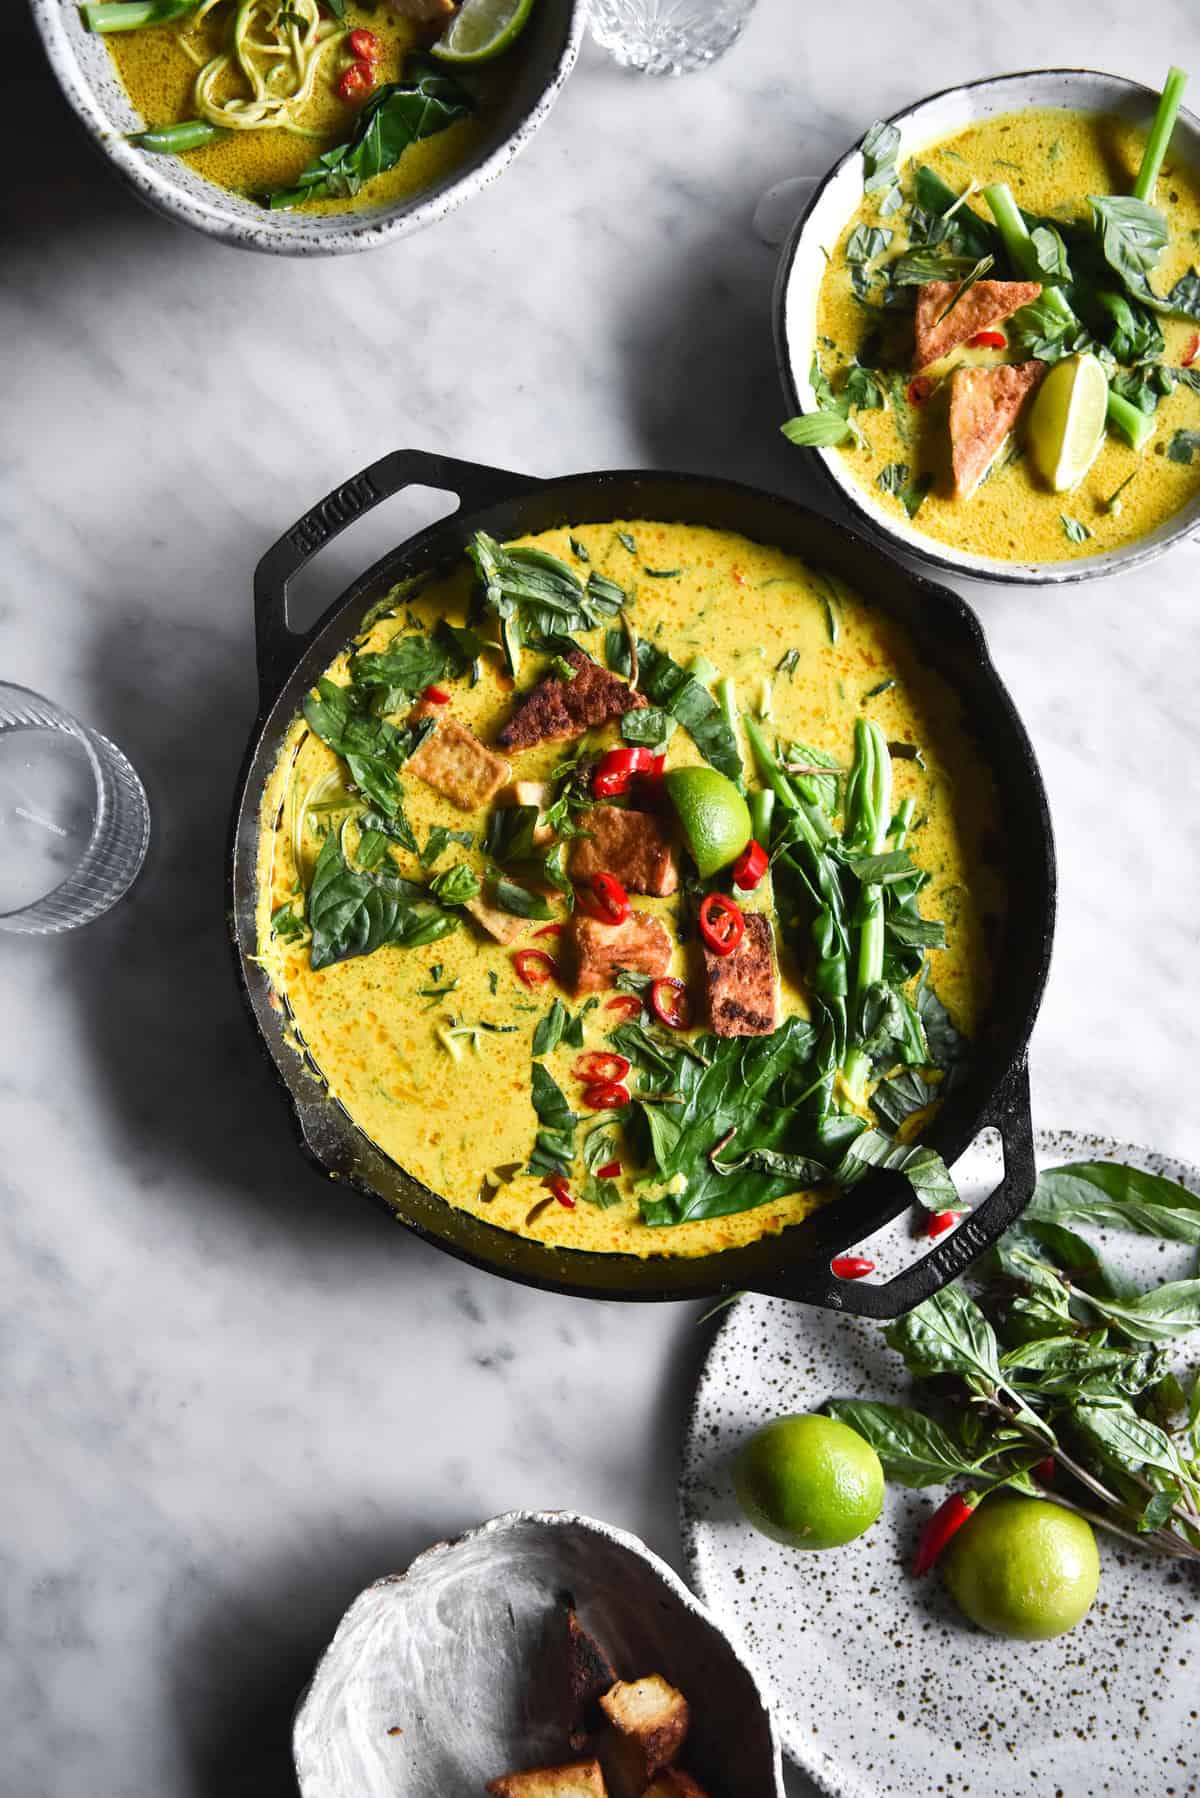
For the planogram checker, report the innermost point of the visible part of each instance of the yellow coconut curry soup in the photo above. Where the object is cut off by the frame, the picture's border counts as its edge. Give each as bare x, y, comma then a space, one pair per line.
1007, 334
326, 104
629, 887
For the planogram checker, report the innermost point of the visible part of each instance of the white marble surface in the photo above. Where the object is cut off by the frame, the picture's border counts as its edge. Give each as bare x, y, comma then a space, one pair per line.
230, 1393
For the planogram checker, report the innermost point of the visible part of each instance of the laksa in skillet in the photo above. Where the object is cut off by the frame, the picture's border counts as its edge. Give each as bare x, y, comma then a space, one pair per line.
629, 887
1007, 334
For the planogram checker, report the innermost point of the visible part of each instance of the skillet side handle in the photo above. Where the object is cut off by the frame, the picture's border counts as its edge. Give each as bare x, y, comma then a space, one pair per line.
1011, 1115
278, 646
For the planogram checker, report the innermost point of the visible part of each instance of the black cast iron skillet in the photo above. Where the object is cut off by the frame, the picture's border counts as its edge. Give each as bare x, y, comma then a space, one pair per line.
797, 1264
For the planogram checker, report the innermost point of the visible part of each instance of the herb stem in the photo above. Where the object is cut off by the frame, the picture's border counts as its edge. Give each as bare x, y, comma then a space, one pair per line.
1160, 135
1163, 1540
868, 821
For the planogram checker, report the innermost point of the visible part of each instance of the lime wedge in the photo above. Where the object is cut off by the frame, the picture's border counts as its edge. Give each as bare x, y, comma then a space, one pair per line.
1066, 426
713, 814
481, 29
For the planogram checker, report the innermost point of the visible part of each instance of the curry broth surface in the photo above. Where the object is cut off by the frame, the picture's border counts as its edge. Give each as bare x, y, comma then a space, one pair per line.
373, 1035
158, 75
1051, 159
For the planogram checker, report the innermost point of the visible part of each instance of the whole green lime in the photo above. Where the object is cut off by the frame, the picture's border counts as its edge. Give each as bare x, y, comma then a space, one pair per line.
713, 814
1023, 1567
809, 1481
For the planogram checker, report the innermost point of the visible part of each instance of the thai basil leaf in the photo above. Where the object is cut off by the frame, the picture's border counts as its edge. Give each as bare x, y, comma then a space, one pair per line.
1183, 446
915, 1451
509, 834
964, 232
648, 725
439, 839
1132, 237
399, 114
1162, 1315
863, 389
879, 148
866, 242
1126, 1440
948, 1334
518, 900
549, 1030
554, 1144
921, 1166
396, 825
408, 665
354, 913
372, 749
819, 430
1109, 1195
456, 885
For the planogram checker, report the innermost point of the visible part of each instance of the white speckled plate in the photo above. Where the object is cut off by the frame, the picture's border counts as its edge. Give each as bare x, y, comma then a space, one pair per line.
879, 1687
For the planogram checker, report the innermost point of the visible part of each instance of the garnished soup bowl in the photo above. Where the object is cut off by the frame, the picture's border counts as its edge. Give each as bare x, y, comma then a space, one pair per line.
833, 201
88, 77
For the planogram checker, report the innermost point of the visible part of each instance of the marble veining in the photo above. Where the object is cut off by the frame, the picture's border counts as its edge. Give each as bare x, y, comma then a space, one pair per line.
232, 1395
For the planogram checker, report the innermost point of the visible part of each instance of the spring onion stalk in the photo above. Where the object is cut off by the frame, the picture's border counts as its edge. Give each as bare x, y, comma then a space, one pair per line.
132, 15
902, 822
701, 669
1160, 135
727, 700
1130, 422
177, 140
761, 806
1020, 247
868, 824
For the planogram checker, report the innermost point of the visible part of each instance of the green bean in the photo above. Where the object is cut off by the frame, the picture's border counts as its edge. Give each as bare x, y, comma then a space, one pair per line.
176, 140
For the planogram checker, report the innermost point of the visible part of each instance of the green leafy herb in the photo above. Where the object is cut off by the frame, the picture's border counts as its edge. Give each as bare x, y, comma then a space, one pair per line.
894, 479
650, 725
627, 542
1073, 529
864, 389
536, 597
879, 150
866, 242
578, 550
286, 925
518, 900
672, 689
819, 430
351, 912
554, 1144
373, 749
438, 841
1107, 1194
548, 1033
456, 885
1183, 446
397, 115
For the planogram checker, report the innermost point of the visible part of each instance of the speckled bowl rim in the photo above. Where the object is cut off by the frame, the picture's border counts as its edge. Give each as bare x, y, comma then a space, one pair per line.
928, 550
610, 1532
218, 214
830, 1778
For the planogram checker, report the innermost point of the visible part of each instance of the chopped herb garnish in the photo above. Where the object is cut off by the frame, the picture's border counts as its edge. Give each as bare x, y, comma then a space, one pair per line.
885, 686
1073, 529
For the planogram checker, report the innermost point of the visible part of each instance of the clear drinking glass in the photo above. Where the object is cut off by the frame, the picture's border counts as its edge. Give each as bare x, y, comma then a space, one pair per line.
667, 37
74, 821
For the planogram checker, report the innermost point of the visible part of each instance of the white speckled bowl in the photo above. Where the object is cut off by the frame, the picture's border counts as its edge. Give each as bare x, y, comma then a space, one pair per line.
833, 201
89, 79
457, 1657
880, 1688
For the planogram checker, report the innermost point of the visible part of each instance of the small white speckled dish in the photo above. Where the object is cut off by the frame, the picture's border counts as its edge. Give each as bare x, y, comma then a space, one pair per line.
89, 80
880, 1689
453, 1657
803, 262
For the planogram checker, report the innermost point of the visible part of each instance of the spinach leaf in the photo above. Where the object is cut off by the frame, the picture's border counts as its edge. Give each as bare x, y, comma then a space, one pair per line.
1134, 335
1109, 1195
948, 1048
899, 1096
672, 688
354, 913
398, 114
915, 1450
554, 1144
